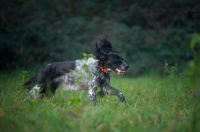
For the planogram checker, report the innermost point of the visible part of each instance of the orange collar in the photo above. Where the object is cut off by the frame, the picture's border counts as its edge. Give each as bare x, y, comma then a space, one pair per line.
103, 69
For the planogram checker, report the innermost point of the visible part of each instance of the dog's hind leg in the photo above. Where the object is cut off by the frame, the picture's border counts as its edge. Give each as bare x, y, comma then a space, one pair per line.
48, 90
54, 86
42, 91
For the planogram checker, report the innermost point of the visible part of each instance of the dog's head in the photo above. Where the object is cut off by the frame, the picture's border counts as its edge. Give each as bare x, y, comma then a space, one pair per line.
108, 60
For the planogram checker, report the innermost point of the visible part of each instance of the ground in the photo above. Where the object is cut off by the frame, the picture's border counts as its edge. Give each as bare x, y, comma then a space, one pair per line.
154, 103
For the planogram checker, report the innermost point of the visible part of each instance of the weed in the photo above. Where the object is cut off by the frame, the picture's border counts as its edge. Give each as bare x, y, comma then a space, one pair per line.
173, 71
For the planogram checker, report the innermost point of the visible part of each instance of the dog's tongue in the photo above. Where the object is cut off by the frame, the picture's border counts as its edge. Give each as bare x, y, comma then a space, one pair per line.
119, 71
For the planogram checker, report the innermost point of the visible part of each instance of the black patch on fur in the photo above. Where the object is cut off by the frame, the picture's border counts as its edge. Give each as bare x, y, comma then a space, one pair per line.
49, 72
61, 68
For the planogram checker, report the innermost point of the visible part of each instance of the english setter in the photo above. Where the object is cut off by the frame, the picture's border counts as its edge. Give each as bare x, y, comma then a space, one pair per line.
88, 74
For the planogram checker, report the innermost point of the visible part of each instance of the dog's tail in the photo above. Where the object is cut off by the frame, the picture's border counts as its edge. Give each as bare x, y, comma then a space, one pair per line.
27, 84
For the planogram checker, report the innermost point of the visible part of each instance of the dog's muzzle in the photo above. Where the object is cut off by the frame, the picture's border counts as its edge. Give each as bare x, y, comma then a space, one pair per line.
122, 69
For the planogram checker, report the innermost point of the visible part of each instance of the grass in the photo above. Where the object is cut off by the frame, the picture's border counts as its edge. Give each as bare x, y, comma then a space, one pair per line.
154, 104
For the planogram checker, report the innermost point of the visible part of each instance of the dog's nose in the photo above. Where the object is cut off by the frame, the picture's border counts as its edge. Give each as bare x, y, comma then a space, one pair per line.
126, 67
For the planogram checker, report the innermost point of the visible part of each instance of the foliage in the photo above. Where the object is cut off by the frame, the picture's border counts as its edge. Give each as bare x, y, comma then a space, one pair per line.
147, 33
153, 104
193, 71
173, 71
194, 66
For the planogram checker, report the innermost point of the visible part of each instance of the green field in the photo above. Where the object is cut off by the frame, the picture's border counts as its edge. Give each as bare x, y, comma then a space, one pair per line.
154, 104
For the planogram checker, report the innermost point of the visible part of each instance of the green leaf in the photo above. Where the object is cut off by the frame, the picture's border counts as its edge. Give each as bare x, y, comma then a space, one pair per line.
75, 101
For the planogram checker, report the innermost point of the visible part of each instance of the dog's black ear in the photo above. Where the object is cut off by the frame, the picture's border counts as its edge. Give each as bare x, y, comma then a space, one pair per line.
101, 48
102, 55
105, 45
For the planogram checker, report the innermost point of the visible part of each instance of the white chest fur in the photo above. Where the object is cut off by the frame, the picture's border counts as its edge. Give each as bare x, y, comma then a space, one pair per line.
81, 77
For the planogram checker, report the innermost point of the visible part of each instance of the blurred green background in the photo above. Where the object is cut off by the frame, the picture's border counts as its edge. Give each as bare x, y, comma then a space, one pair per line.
148, 34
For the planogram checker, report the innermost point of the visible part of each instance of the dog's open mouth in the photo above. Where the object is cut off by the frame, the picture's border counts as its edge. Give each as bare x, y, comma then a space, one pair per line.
119, 72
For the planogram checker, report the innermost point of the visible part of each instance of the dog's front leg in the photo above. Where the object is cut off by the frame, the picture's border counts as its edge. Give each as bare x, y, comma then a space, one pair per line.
93, 86
92, 95
109, 90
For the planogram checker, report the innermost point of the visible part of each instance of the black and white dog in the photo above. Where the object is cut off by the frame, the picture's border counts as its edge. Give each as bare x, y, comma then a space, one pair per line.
88, 74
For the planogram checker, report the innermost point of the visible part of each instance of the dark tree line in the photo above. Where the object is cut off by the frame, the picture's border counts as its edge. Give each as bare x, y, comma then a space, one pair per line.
146, 33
